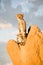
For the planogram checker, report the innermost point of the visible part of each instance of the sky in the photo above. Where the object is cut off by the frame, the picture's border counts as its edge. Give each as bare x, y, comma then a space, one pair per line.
33, 15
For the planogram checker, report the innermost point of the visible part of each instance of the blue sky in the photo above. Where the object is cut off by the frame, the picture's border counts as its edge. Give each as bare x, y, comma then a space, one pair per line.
33, 14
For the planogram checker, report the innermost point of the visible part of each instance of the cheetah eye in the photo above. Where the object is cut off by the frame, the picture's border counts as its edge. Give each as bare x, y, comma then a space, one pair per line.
19, 17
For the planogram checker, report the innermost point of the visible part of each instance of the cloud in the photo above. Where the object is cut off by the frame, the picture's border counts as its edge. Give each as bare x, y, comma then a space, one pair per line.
39, 12
24, 4
2, 6
6, 25
36, 2
15, 3
9, 64
6, 34
12, 33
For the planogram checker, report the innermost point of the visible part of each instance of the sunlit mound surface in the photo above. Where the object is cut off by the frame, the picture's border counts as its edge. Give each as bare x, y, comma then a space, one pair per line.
29, 54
